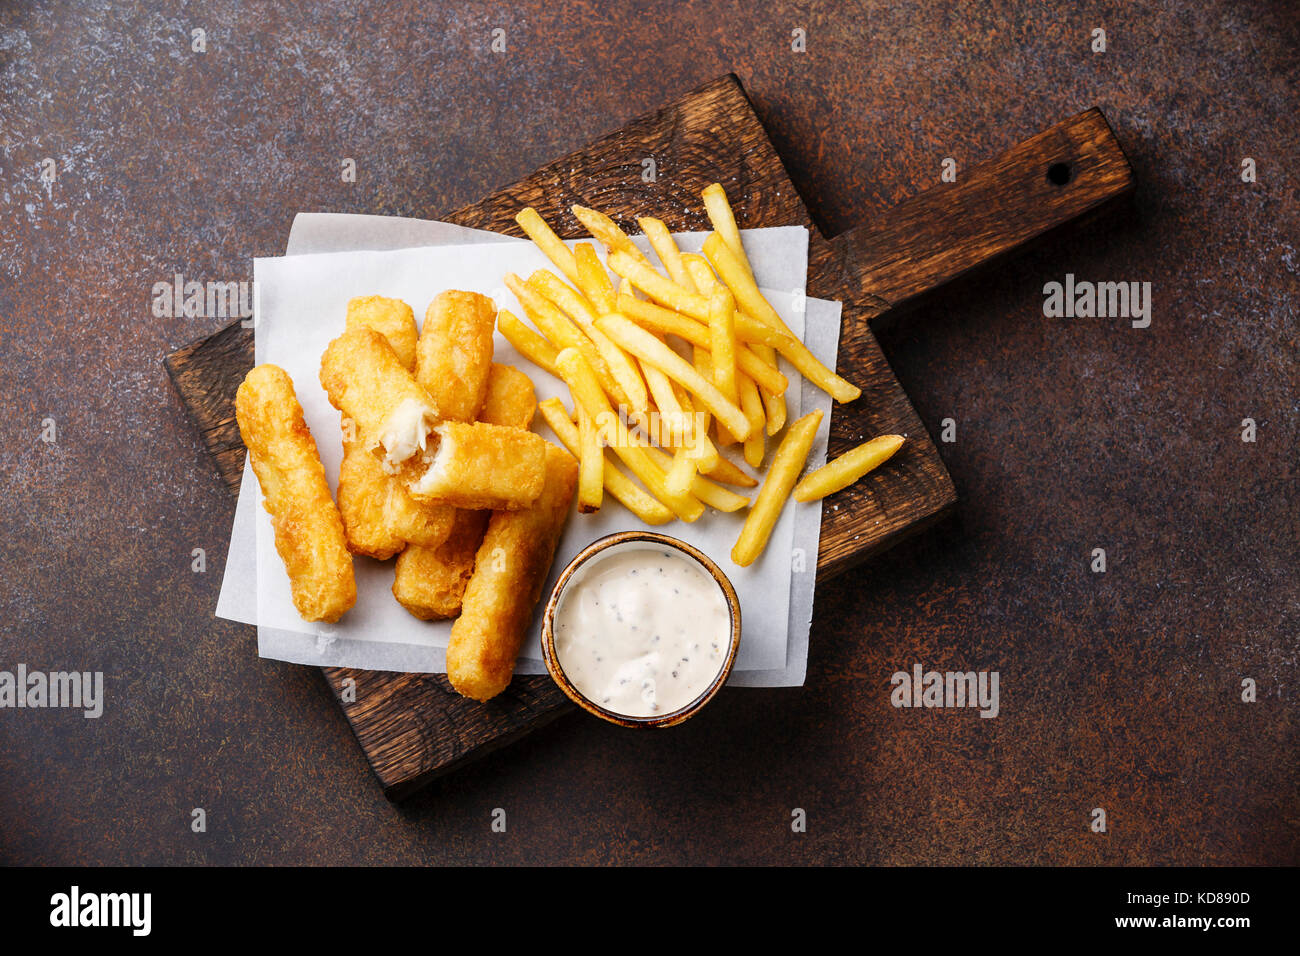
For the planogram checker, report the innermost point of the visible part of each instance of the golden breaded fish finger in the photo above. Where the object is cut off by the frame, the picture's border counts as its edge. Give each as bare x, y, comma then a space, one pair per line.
367, 382
391, 318
511, 399
483, 466
308, 529
375, 506
454, 356
430, 582
509, 572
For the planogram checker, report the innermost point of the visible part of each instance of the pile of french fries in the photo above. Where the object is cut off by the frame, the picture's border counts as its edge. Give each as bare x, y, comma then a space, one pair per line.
669, 367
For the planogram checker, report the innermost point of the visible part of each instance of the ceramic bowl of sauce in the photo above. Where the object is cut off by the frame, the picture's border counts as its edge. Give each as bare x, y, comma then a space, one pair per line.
641, 629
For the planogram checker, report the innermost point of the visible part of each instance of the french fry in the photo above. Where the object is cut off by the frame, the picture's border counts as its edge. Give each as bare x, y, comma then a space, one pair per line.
593, 280
705, 489
667, 322
308, 529
645, 346
729, 474
722, 349
847, 468
671, 415
700, 271
781, 476
751, 301
591, 465
620, 366
552, 246
608, 232
626, 491
661, 240
681, 471
530, 345
563, 334
586, 392
724, 222
751, 403
662, 290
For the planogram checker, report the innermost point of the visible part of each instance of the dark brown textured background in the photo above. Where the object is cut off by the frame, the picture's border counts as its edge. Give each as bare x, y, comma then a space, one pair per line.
1118, 691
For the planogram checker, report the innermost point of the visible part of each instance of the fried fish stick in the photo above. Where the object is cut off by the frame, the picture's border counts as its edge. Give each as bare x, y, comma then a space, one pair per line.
430, 582
511, 399
367, 382
373, 502
626, 491
786, 465
847, 468
391, 318
483, 466
509, 571
308, 529
454, 356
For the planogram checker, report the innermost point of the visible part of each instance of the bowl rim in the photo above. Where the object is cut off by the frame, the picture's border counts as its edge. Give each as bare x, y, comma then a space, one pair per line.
591, 551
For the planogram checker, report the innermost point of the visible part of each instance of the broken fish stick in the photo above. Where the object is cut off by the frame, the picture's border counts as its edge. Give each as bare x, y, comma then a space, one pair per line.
391, 318
308, 530
511, 399
552, 246
624, 490
847, 468
454, 355
367, 382
430, 582
781, 476
369, 497
483, 466
509, 571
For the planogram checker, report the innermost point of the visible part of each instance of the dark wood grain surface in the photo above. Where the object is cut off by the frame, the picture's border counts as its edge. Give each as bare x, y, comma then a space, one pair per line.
1119, 690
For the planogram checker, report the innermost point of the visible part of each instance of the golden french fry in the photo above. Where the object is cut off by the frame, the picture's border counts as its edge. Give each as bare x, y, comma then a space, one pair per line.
627, 492
509, 570
645, 346
729, 474
561, 331
847, 468
532, 346
708, 491
752, 405
454, 356
391, 318
586, 392
608, 232
591, 465
665, 321
552, 246
786, 465
308, 529
661, 240
511, 399
663, 290
751, 301
722, 342
724, 222
430, 581
620, 366
700, 271
593, 280
681, 471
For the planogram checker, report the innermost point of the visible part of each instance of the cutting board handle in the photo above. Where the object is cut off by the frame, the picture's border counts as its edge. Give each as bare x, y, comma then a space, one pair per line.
1061, 175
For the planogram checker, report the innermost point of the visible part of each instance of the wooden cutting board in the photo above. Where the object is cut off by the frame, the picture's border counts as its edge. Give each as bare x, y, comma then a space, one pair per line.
413, 727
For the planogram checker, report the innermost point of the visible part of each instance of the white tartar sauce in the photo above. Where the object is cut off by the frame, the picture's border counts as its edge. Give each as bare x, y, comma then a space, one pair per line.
642, 630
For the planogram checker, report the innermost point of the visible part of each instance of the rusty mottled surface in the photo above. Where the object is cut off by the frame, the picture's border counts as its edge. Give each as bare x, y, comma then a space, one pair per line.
1118, 690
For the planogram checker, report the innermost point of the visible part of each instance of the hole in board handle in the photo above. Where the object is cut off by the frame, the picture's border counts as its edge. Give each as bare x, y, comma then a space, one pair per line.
1058, 174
